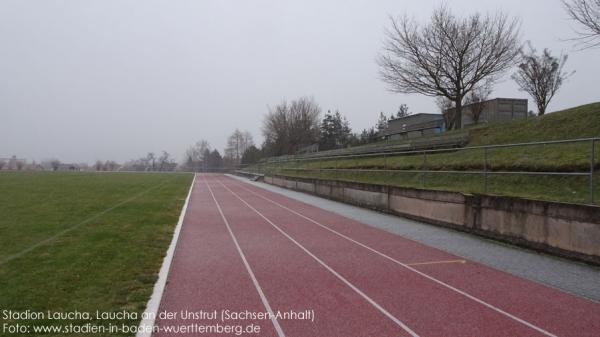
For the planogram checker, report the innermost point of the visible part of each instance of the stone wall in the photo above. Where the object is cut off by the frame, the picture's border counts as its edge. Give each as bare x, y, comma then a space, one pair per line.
562, 229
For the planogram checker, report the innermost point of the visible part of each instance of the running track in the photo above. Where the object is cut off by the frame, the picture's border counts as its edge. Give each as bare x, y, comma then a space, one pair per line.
243, 248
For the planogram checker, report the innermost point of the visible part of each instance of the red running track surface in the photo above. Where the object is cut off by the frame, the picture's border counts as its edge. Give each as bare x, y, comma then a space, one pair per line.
249, 250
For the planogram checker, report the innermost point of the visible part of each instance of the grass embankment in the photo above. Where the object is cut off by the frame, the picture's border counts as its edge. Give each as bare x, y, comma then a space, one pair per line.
102, 235
579, 122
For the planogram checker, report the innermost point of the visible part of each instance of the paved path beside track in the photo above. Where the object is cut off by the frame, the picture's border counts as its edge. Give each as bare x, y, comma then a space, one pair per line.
248, 250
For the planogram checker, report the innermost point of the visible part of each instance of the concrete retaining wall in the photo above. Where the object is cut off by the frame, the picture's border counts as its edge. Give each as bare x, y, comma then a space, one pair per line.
562, 229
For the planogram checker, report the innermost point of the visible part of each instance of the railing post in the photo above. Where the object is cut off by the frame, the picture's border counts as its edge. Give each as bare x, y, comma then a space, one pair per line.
592, 164
485, 174
423, 168
385, 168
320, 169
337, 172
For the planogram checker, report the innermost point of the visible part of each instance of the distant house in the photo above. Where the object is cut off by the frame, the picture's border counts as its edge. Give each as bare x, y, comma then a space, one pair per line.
68, 167
414, 126
495, 110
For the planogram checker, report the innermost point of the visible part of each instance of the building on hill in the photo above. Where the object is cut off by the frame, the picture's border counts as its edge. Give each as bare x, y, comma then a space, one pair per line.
414, 126
417, 125
495, 110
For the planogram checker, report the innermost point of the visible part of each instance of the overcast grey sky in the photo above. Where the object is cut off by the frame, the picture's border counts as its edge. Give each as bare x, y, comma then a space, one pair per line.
87, 80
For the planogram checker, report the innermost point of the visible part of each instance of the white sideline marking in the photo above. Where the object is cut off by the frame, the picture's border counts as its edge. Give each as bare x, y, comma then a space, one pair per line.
77, 225
482, 302
254, 280
436, 262
343, 279
151, 311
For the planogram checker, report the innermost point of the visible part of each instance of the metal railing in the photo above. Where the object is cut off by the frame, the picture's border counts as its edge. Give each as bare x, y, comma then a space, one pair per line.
282, 165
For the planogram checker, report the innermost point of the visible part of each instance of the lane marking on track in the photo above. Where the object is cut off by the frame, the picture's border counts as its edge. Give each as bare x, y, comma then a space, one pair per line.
79, 224
263, 298
343, 279
151, 312
431, 278
436, 262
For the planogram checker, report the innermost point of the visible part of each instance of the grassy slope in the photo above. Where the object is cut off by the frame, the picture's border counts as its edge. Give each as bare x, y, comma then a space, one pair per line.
579, 122
108, 263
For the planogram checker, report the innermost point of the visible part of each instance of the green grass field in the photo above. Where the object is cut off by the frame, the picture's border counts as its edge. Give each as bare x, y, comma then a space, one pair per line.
84, 242
579, 122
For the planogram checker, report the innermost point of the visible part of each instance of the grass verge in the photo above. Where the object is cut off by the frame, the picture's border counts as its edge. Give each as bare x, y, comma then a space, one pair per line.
109, 233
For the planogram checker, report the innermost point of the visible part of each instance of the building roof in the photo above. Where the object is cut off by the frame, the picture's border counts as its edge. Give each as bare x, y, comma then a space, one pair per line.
414, 115
416, 122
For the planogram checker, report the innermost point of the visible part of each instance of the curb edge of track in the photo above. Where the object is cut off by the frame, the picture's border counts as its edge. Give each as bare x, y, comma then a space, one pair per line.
149, 315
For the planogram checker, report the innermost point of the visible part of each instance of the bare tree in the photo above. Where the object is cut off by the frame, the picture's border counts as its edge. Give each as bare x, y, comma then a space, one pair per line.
99, 165
237, 144
55, 164
196, 151
165, 163
20, 164
541, 76
151, 159
110, 165
449, 56
195, 155
587, 14
289, 127
476, 100
247, 140
2, 163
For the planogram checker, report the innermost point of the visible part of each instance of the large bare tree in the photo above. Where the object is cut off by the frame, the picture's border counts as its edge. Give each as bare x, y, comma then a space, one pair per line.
541, 76
449, 56
237, 143
289, 127
587, 14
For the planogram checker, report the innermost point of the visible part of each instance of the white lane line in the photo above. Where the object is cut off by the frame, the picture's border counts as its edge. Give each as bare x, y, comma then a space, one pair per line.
254, 280
343, 279
151, 312
77, 225
436, 262
480, 301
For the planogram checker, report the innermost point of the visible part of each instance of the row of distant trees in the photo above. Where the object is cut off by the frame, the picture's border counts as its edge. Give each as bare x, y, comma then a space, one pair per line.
288, 127
150, 162
240, 149
297, 126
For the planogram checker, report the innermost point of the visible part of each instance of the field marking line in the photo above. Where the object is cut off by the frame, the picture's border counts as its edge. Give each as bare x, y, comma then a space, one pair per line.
436, 262
77, 225
335, 273
431, 278
151, 311
263, 298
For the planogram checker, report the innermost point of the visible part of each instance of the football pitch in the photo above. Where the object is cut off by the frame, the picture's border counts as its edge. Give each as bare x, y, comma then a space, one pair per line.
74, 243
